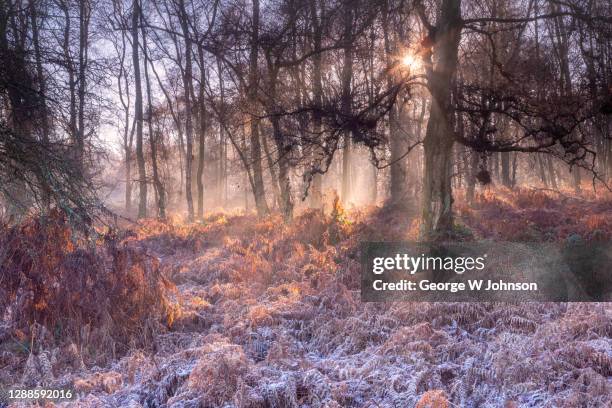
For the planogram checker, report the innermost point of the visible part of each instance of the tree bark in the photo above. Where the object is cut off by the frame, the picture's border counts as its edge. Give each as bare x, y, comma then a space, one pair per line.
576, 179
273, 175
153, 136
128, 134
514, 168
437, 202
316, 194
471, 176
398, 172
187, 83
84, 17
258, 184
202, 134
72, 120
347, 75
283, 147
222, 137
542, 170
46, 192
551, 173
505, 169
142, 177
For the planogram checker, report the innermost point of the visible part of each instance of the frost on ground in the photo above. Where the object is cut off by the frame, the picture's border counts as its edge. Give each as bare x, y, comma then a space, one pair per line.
267, 315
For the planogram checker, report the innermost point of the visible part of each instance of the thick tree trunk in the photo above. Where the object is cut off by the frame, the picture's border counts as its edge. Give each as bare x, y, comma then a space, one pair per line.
258, 190
271, 168
142, 177
187, 84
437, 203
437, 194
285, 188
42, 82
46, 191
258, 184
284, 180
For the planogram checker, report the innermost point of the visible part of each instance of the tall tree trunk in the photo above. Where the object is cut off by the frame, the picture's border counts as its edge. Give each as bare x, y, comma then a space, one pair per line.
46, 191
505, 169
346, 168
576, 179
514, 168
316, 194
495, 166
187, 84
202, 135
153, 135
271, 168
438, 143
258, 184
84, 17
374, 193
72, 121
347, 76
284, 180
471, 176
562, 47
142, 177
222, 137
128, 134
398, 172
418, 169
551, 173
398, 188
543, 177
282, 146
42, 82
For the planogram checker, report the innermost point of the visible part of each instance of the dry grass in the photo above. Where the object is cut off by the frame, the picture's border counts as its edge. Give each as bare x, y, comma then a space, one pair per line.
270, 316
536, 215
59, 287
217, 374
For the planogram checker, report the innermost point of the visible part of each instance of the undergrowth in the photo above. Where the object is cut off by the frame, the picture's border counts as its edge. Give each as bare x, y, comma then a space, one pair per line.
57, 286
268, 314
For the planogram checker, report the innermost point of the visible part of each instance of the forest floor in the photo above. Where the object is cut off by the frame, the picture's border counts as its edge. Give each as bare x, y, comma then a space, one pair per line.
265, 314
